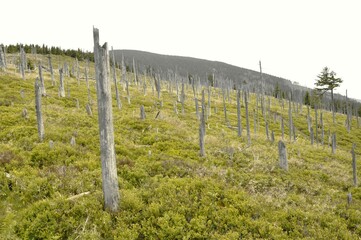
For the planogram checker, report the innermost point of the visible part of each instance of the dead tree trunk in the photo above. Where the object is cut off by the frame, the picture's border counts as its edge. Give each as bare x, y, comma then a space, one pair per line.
42, 84
348, 118
333, 143
39, 117
290, 118
202, 128
254, 121
124, 73
127, 87
87, 85
311, 135
322, 129
209, 102
135, 73
51, 71
61, 85
183, 97
354, 172
142, 112
77, 71
316, 120
282, 155
239, 123
105, 117
2, 59
267, 133
22, 62
119, 104
282, 128
308, 119
157, 85
197, 108
224, 107
333, 107
247, 120
89, 110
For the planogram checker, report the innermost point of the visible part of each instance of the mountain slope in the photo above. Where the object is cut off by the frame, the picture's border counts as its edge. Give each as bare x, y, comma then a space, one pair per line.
167, 190
195, 66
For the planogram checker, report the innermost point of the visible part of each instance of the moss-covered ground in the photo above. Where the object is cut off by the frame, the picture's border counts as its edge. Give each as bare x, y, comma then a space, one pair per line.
167, 190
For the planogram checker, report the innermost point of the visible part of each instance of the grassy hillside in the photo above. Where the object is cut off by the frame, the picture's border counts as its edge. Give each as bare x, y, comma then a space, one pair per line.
167, 190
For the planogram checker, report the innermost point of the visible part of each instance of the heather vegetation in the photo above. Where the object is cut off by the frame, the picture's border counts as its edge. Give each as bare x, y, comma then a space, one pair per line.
52, 189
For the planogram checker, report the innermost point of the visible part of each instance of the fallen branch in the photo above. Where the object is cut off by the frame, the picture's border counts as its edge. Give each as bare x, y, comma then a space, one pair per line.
78, 196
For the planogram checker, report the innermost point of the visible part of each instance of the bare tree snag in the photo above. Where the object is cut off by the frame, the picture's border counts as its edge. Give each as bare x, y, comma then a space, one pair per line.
202, 128
105, 117
282, 152
135, 73
239, 123
267, 132
282, 128
24, 113
89, 110
333, 143
72, 141
322, 129
142, 112
316, 120
61, 85
22, 62
247, 120
2, 59
42, 84
119, 104
183, 98
209, 102
39, 117
87, 85
290, 117
51, 71
225, 107
354, 170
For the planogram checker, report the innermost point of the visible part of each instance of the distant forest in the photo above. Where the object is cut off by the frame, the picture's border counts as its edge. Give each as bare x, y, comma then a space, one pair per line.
44, 49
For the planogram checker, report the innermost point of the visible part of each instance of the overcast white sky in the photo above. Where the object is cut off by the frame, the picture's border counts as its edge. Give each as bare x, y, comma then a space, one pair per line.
293, 39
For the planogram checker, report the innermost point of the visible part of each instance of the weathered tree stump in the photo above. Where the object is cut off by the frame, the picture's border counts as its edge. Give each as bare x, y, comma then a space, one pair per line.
282, 128
333, 143
51, 71
290, 123
72, 141
239, 122
354, 170
42, 84
282, 153
267, 132
202, 128
22, 62
142, 113
61, 85
24, 113
105, 117
39, 117
119, 104
247, 120
89, 110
